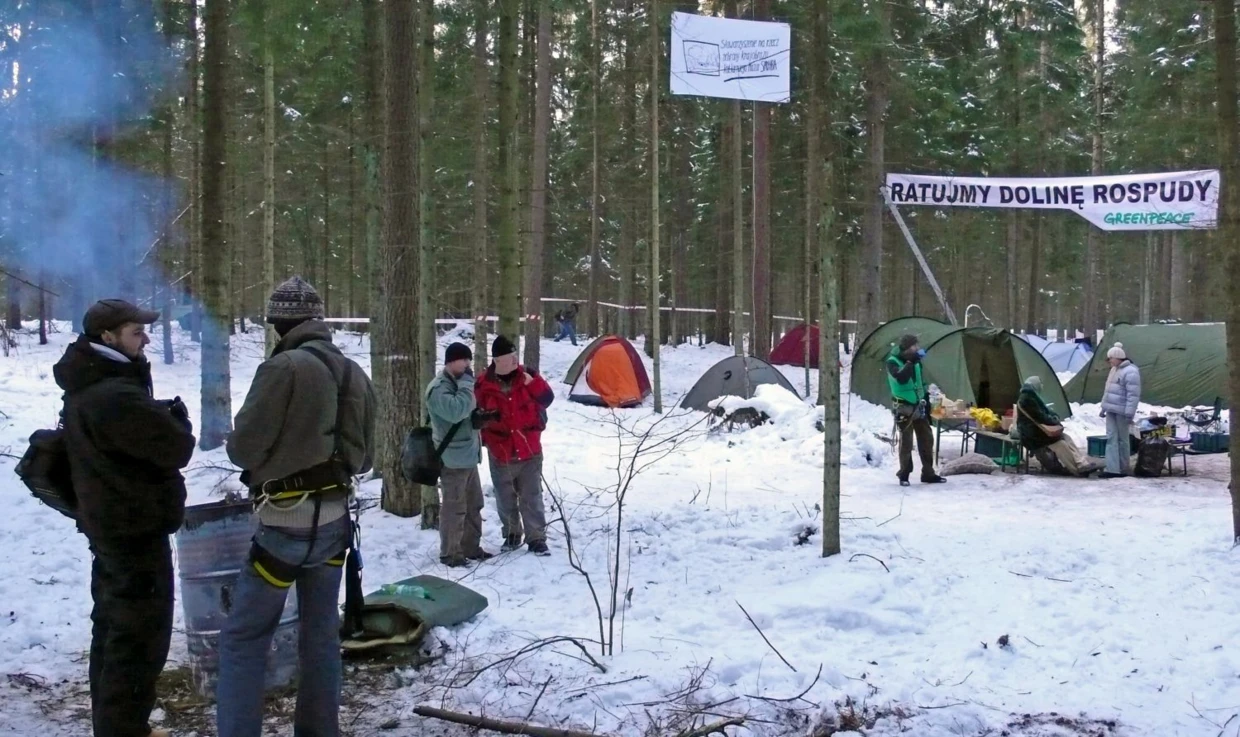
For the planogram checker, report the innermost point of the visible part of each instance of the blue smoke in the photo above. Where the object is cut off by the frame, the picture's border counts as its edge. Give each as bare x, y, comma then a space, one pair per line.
71, 75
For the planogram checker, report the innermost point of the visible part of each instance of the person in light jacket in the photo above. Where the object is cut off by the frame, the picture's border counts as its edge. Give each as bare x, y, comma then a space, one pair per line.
1119, 408
450, 403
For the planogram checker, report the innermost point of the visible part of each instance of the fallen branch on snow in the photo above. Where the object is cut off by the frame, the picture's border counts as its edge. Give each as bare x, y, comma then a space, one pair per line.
764, 639
867, 555
495, 725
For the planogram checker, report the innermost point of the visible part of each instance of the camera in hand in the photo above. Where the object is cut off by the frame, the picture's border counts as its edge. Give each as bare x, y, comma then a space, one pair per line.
479, 418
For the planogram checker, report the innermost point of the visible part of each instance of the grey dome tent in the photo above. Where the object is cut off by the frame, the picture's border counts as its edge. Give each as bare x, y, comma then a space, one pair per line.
734, 376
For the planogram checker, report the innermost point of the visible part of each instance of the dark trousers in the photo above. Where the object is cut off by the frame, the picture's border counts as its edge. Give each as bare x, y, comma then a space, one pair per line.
131, 584
920, 429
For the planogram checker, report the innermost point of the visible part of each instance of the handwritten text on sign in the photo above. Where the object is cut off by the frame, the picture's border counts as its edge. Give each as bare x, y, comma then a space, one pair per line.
735, 59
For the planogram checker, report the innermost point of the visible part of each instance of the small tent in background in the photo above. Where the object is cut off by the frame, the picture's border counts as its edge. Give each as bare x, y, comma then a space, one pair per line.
1181, 365
982, 366
1063, 357
608, 373
791, 350
735, 376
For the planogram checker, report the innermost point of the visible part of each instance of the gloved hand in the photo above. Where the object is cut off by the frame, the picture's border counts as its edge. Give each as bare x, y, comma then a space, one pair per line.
480, 418
179, 411
1102, 414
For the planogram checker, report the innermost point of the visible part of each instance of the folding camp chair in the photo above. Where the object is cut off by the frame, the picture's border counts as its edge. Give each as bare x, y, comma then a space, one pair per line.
1200, 421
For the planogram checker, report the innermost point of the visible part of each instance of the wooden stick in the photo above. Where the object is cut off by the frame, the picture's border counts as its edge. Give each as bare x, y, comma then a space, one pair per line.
714, 727
495, 725
768, 642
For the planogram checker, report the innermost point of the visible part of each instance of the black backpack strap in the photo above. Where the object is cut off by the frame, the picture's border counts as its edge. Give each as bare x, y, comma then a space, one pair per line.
443, 444
342, 391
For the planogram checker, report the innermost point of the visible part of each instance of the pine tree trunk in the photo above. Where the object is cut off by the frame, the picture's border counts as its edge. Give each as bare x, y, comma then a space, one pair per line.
653, 340
596, 61
760, 340
45, 310
813, 203
216, 393
400, 400
482, 183
721, 332
508, 241
1093, 317
325, 250
166, 244
821, 212
627, 188
373, 126
1229, 204
538, 191
426, 244
1147, 274
871, 266
193, 133
1181, 274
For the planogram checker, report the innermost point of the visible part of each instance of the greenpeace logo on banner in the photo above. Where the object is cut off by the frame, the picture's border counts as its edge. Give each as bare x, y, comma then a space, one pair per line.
1169, 201
734, 59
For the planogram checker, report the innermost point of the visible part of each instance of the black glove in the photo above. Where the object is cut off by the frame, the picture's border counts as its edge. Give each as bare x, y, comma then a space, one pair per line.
179, 411
480, 418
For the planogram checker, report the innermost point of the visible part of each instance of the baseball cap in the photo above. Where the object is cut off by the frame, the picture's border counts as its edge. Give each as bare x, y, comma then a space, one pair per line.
110, 314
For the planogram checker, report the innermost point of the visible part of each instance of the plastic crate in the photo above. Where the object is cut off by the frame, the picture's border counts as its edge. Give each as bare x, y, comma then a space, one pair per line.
1210, 442
1097, 446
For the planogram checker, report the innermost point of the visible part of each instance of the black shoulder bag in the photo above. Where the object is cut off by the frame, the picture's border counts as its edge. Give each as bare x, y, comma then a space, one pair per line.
421, 461
44, 469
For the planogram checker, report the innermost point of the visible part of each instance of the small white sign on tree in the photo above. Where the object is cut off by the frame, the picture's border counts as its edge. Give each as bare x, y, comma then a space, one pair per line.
734, 59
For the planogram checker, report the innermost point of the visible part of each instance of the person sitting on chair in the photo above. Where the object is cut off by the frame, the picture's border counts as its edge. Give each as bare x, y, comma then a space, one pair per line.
1041, 433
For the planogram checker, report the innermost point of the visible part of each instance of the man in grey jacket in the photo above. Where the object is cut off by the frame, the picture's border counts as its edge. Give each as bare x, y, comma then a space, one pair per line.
1119, 407
306, 428
451, 404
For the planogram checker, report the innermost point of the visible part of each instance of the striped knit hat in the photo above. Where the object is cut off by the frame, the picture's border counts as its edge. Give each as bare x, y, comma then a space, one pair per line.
294, 300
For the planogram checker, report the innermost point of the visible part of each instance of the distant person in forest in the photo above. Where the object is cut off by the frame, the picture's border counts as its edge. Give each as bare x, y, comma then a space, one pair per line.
452, 407
567, 320
126, 451
1119, 409
912, 409
514, 444
1041, 432
305, 430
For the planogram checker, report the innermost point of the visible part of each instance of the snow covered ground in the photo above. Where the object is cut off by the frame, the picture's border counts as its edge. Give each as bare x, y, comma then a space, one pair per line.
976, 607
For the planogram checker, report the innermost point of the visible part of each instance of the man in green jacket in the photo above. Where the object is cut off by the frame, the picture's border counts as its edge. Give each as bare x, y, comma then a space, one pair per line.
305, 430
450, 402
908, 394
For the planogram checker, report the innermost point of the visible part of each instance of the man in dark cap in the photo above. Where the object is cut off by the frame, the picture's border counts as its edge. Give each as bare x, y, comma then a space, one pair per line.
520, 397
126, 451
911, 407
305, 430
450, 404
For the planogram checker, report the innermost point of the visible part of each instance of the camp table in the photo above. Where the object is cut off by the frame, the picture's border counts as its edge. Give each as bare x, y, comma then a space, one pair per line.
965, 425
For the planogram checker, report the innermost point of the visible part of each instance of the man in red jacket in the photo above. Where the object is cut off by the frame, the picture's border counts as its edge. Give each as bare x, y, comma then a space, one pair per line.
521, 398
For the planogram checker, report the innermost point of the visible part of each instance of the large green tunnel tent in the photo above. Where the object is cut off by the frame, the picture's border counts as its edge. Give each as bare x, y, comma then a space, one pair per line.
983, 366
1181, 365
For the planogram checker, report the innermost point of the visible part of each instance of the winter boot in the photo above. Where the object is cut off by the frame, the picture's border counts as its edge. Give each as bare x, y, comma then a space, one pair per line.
539, 547
511, 543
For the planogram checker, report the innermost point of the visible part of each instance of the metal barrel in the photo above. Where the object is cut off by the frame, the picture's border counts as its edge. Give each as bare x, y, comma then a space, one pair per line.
212, 545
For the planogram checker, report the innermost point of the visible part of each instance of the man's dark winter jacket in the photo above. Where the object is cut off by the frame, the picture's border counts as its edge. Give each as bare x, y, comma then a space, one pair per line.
126, 450
288, 420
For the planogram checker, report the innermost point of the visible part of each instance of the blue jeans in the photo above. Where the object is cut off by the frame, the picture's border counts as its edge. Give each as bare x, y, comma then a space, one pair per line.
1118, 458
568, 329
246, 637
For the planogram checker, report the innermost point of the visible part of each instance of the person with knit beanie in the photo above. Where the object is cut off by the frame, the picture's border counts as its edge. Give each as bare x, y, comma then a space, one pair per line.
305, 430
451, 405
1119, 408
520, 397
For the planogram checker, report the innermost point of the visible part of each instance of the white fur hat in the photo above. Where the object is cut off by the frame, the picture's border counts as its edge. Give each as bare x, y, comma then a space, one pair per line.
1117, 351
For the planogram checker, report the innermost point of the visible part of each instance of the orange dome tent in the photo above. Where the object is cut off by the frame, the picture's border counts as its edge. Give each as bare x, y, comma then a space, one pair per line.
608, 373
